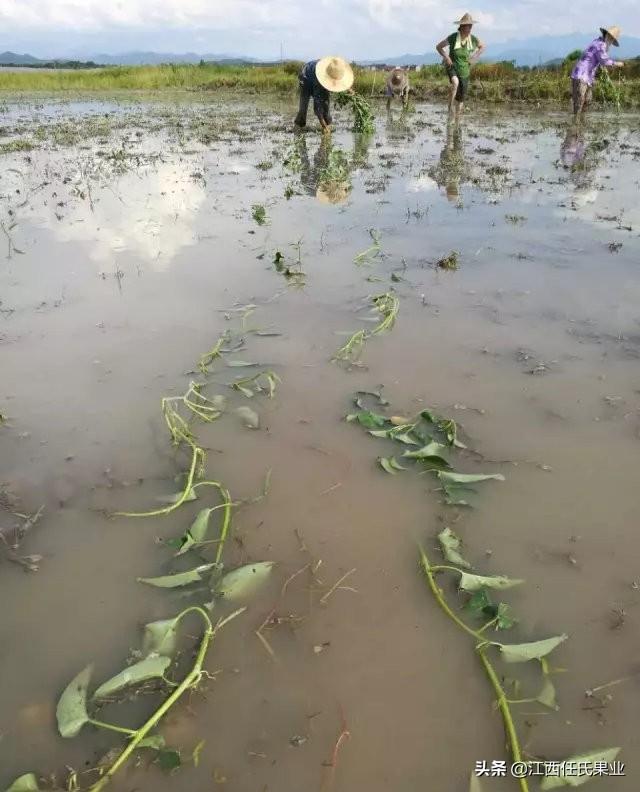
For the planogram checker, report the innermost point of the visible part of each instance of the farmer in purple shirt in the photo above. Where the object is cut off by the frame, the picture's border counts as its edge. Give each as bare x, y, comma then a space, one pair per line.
586, 69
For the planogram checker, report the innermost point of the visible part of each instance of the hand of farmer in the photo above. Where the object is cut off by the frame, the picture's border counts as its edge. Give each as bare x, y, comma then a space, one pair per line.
326, 130
448, 61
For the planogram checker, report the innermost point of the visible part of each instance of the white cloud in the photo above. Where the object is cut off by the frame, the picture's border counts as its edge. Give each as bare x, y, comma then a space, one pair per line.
94, 15
358, 28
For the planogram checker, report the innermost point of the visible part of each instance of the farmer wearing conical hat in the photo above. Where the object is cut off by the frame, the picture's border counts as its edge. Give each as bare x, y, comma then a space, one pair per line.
586, 69
463, 49
318, 79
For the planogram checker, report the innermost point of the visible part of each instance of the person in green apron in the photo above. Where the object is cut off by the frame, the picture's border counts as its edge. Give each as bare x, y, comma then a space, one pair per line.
463, 48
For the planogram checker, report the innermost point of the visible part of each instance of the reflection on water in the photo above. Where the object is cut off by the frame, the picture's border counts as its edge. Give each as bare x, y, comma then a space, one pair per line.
328, 176
452, 170
153, 217
532, 345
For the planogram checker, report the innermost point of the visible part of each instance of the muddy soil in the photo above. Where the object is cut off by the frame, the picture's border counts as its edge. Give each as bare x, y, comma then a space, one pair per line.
131, 237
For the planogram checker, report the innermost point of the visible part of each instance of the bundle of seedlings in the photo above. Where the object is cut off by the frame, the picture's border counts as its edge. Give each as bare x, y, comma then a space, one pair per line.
363, 118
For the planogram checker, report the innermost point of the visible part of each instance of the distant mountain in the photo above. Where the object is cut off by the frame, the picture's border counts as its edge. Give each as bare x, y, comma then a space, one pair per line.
125, 59
13, 59
525, 52
155, 58
535, 51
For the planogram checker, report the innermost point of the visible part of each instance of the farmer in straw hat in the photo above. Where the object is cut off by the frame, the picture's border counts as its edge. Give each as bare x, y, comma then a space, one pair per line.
585, 70
397, 85
318, 79
463, 49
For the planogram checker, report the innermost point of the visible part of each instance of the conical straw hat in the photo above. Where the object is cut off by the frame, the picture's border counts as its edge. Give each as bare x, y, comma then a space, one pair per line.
466, 19
614, 32
333, 192
334, 73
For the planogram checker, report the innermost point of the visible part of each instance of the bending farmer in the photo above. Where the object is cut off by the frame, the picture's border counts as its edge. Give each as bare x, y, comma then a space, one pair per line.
318, 79
397, 85
463, 49
586, 69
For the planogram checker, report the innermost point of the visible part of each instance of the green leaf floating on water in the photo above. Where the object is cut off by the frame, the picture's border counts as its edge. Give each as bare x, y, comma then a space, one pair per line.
197, 533
451, 545
457, 495
607, 755
368, 419
522, 653
160, 637
482, 606
374, 394
71, 712
547, 696
468, 478
240, 364
155, 742
179, 580
26, 783
242, 582
405, 438
170, 499
169, 760
390, 465
476, 582
505, 621
431, 450
152, 667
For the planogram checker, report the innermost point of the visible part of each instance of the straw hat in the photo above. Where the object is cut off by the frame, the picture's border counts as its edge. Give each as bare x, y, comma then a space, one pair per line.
335, 191
397, 76
334, 73
466, 19
614, 32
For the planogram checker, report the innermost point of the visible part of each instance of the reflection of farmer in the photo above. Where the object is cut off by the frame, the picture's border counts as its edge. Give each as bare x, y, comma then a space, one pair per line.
582, 163
317, 80
586, 69
573, 147
328, 177
397, 86
452, 167
463, 49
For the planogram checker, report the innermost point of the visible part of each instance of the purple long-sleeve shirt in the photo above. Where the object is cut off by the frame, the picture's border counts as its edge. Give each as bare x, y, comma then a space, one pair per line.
591, 60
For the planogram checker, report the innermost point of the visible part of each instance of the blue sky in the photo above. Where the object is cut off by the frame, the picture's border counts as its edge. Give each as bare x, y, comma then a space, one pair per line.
358, 29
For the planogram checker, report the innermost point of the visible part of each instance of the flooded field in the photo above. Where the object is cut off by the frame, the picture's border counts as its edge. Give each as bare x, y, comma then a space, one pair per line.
487, 273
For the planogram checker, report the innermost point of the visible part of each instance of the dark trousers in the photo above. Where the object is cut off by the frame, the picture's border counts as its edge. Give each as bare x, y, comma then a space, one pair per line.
320, 105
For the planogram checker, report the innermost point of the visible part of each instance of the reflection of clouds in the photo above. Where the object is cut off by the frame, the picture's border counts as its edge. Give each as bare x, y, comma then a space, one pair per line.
422, 184
582, 196
150, 216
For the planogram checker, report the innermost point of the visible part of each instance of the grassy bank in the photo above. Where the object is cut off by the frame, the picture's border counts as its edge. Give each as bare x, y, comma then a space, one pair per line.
490, 83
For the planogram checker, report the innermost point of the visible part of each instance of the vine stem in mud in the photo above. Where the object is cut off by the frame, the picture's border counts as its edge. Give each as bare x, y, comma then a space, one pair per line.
503, 705
227, 505
483, 644
197, 453
437, 593
190, 681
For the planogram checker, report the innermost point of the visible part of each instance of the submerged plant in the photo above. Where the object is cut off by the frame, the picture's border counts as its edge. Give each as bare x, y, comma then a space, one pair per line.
160, 640
371, 252
449, 262
387, 305
259, 214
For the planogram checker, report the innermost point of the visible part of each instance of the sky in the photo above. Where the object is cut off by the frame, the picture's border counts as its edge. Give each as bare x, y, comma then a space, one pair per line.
357, 29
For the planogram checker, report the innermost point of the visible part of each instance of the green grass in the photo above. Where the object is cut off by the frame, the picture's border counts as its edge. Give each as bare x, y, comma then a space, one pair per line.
491, 83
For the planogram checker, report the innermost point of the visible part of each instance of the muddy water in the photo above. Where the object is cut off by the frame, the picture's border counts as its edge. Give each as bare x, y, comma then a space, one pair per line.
129, 247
